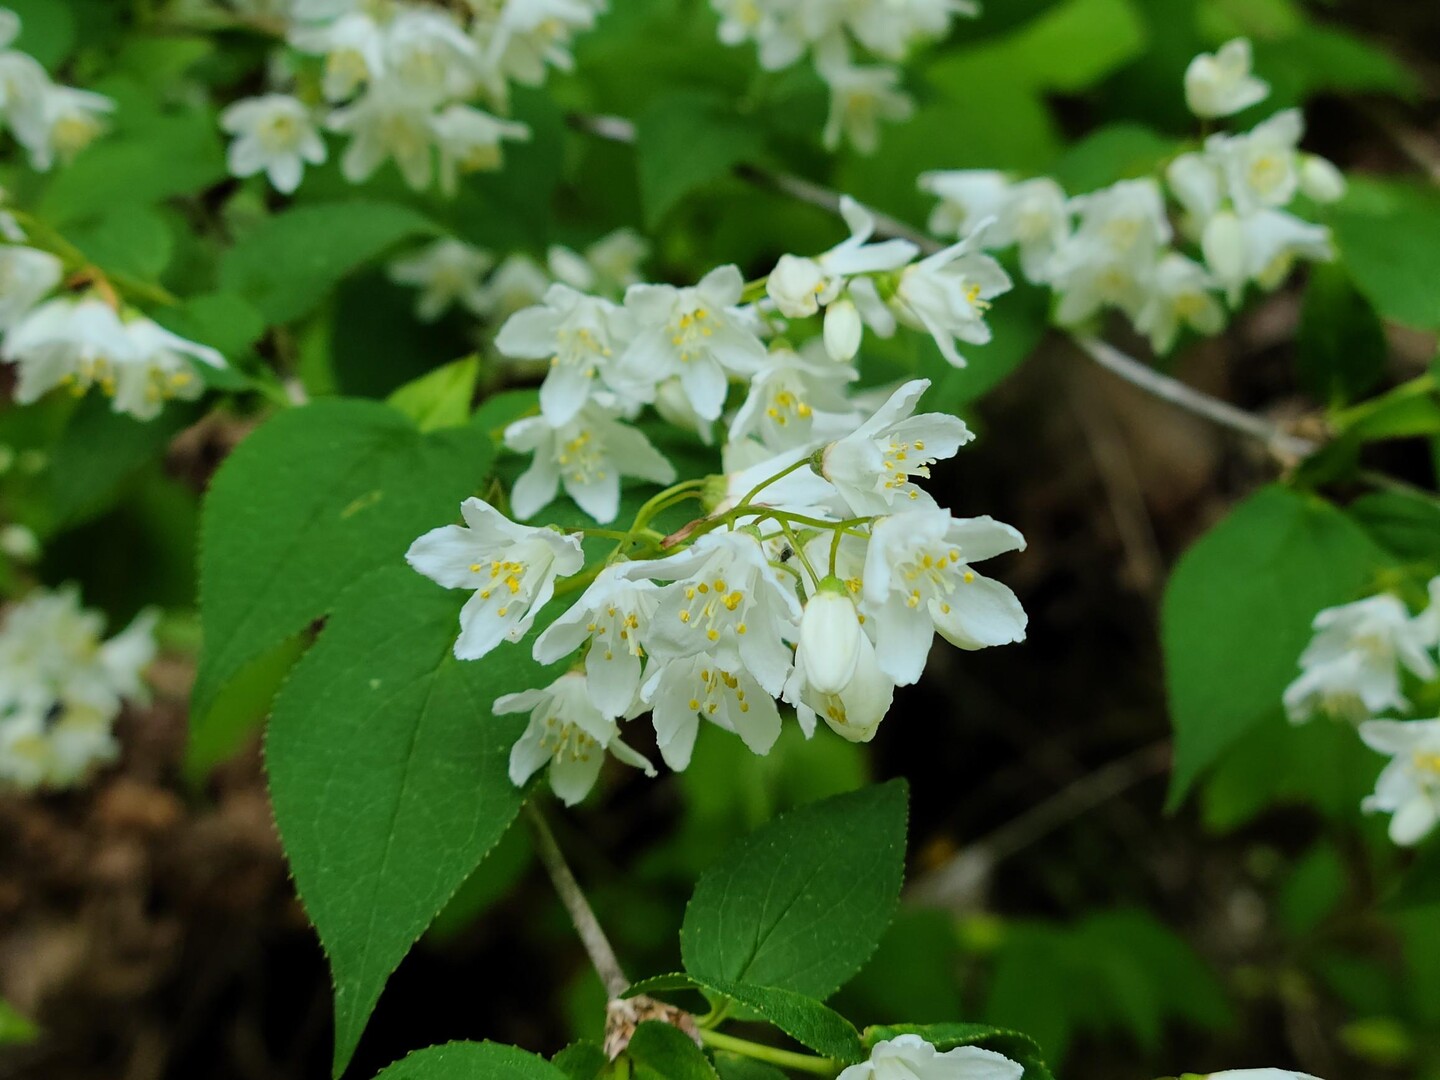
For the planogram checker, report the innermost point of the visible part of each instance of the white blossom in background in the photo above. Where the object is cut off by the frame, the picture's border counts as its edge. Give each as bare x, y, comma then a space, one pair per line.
568, 733
909, 1057
511, 569
947, 295
1182, 293
447, 272
1259, 1074
27, 276
861, 98
62, 685
274, 134
51, 121
1409, 786
1221, 83
586, 455
1351, 668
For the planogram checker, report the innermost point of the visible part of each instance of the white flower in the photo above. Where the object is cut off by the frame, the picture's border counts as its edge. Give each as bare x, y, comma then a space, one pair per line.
1037, 219
909, 1057
274, 134
616, 259
613, 614
680, 691
947, 295
796, 285
1261, 247
1260, 1074
1112, 255
469, 141
749, 464
1220, 83
1351, 667
773, 25
61, 123
383, 125
71, 341
696, 333
27, 276
447, 272
518, 282
429, 55
157, 369
793, 401
20, 543
967, 197
830, 634
569, 734
1262, 167
1409, 786
855, 710
354, 49
725, 601
1180, 295
580, 336
1195, 180
511, 567
872, 466
587, 454
860, 98
918, 580
1320, 179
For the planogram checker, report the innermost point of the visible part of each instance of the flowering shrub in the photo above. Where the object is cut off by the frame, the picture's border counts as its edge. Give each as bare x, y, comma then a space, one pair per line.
523, 469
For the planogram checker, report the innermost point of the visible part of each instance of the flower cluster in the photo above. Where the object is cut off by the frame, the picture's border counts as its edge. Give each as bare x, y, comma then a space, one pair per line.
88, 338
1115, 248
449, 273
399, 79
52, 122
819, 576
909, 1057
61, 687
1352, 670
861, 95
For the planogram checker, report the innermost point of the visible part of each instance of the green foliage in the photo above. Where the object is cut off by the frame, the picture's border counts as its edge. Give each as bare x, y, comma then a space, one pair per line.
582, 1061
291, 262
1389, 238
440, 399
735, 1067
801, 902
471, 1061
1237, 614
303, 508
660, 1051
685, 140
14, 1028
1013, 1044
1341, 347
388, 776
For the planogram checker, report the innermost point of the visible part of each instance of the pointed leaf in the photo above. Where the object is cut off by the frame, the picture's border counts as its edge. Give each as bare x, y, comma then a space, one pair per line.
471, 1061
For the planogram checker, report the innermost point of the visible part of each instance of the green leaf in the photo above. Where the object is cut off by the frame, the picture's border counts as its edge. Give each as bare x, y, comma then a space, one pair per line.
1013, 1044
684, 141
388, 776
800, 903
222, 320
1314, 888
287, 265
1341, 347
582, 1061
661, 1051
1389, 238
440, 399
1404, 525
1114, 152
216, 735
47, 29
471, 1061
1075, 44
136, 241
735, 1067
309, 503
14, 1028
1237, 614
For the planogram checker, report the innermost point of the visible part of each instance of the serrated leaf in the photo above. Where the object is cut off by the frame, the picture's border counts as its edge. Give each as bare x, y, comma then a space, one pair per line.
287, 265
735, 1067
662, 1051
581, 1061
686, 140
1237, 614
388, 776
1341, 347
311, 501
471, 1061
1015, 1045
801, 902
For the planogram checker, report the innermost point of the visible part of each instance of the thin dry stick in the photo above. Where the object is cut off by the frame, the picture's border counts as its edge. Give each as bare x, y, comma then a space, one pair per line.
597, 945
1283, 445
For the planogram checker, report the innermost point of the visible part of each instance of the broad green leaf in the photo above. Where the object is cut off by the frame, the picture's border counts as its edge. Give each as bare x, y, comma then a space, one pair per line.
1341, 347
1013, 1044
14, 1028
1408, 526
1237, 614
582, 1061
1114, 152
222, 320
662, 1051
801, 902
306, 505
47, 29
686, 140
471, 1061
388, 776
215, 736
287, 265
1075, 44
1389, 238
1322, 58
136, 240
440, 399
735, 1067
1315, 886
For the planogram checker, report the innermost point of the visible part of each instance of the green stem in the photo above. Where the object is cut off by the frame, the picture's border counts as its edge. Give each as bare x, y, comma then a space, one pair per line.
785, 1059
802, 463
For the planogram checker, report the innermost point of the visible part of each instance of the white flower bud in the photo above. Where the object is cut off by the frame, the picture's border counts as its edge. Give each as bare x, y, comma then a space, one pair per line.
1321, 180
829, 638
19, 543
843, 330
795, 285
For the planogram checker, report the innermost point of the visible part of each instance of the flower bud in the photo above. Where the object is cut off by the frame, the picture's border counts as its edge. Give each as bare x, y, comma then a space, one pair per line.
829, 638
843, 330
795, 285
19, 543
1321, 180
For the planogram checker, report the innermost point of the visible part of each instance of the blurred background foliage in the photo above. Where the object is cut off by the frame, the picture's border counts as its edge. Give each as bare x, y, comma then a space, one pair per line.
151, 920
